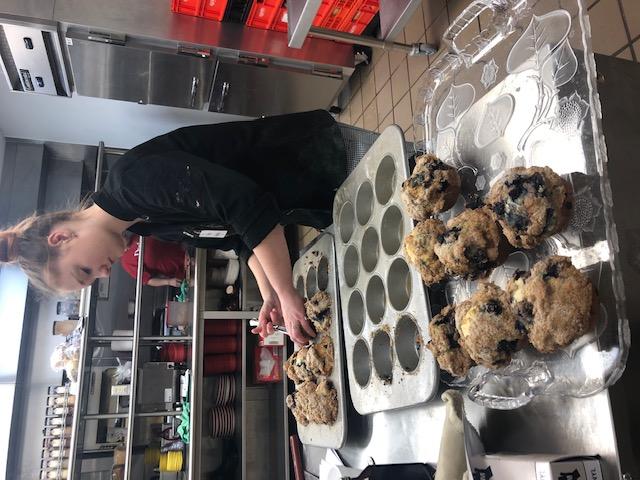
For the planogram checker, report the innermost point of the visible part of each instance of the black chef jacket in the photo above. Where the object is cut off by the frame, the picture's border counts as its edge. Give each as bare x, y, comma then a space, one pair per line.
242, 178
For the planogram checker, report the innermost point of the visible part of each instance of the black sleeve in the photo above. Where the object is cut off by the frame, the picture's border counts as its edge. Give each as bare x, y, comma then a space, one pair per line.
183, 188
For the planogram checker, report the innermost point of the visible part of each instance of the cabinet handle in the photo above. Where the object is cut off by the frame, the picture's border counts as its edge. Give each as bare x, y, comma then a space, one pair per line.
194, 91
224, 91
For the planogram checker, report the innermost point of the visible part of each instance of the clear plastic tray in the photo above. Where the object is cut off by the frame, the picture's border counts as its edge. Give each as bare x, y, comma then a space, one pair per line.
523, 93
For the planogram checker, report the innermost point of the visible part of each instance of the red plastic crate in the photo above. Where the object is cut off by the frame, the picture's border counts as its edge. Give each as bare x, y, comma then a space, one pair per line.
360, 17
187, 7
282, 21
338, 13
214, 9
263, 13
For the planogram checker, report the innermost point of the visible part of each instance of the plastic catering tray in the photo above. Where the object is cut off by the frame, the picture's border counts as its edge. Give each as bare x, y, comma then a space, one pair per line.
522, 93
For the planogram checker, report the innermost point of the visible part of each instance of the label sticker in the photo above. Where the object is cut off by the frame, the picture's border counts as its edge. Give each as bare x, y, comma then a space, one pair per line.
69, 41
213, 233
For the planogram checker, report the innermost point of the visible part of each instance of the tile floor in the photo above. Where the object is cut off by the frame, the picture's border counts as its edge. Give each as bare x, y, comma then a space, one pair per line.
386, 91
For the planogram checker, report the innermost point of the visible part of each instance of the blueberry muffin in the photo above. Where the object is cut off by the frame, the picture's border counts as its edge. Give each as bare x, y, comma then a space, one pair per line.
433, 187
488, 327
311, 361
445, 344
419, 249
530, 204
469, 247
555, 302
314, 403
318, 309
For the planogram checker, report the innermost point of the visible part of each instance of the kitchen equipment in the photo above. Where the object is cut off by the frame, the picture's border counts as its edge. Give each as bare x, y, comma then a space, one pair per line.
222, 422
158, 386
523, 93
220, 363
383, 300
315, 270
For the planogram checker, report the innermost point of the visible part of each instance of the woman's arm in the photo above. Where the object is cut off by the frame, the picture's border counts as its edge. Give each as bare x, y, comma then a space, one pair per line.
270, 312
161, 282
273, 256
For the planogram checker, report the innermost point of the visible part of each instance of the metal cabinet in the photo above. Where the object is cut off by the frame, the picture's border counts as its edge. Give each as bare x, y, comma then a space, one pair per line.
136, 72
255, 86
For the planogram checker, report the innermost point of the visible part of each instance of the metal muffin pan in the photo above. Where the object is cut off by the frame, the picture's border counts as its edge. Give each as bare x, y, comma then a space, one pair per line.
383, 300
316, 270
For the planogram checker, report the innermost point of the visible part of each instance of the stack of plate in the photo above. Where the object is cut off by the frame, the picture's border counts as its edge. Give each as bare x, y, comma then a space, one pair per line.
222, 422
225, 390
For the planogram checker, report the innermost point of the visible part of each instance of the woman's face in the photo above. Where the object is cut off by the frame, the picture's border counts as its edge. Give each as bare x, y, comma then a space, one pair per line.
84, 254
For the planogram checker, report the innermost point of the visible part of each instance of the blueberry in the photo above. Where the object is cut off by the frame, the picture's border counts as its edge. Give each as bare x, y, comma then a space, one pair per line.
498, 208
548, 219
417, 180
537, 182
507, 346
440, 239
520, 327
525, 310
437, 164
443, 185
452, 234
517, 221
494, 306
453, 342
567, 205
477, 257
518, 274
552, 272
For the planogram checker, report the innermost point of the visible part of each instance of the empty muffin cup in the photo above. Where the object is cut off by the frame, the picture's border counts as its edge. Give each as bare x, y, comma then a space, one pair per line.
385, 180
323, 273
408, 343
369, 249
311, 282
364, 203
355, 312
382, 356
346, 222
399, 284
361, 363
375, 298
391, 230
351, 268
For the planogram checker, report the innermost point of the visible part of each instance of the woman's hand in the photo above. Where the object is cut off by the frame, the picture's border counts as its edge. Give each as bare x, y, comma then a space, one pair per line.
270, 315
298, 327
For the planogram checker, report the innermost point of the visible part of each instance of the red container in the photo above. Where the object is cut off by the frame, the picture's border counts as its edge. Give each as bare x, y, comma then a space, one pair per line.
221, 344
263, 13
221, 327
215, 364
175, 352
187, 7
338, 13
360, 17
282, 20
214, 9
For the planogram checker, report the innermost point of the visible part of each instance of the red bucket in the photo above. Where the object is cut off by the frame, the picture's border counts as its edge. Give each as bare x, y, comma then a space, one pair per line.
221, 344
175, 352
223, 363
221, 327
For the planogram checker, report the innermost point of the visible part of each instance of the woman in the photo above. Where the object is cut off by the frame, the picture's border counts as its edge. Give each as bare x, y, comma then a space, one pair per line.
225, 186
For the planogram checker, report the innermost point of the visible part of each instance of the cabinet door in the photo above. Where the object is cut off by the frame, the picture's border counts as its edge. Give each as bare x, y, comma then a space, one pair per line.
267, 89
179, 80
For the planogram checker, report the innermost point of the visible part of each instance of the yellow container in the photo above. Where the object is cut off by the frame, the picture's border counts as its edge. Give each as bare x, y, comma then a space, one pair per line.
171, 461
151, 456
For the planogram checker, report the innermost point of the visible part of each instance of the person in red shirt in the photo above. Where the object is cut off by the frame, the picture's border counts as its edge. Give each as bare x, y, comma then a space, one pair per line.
164, 262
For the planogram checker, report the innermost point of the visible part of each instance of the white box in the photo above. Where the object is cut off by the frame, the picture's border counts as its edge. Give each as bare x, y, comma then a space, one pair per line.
535, 467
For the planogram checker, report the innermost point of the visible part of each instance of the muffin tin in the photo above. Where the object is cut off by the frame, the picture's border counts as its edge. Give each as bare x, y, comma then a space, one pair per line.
383, 300
523, 93
316, 270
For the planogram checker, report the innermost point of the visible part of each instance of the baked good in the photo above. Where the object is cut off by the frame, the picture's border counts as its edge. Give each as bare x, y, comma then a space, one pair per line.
530, 204
311, 361
314, 403
419, 249
445, 343
469, 247
433, 187
488, 327
555, 302
318, 309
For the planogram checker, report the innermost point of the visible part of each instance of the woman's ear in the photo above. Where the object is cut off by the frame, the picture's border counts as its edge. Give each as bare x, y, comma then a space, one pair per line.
59, 237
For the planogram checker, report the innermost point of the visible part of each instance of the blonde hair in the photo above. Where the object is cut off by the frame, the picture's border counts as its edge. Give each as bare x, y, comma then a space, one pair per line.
26, 244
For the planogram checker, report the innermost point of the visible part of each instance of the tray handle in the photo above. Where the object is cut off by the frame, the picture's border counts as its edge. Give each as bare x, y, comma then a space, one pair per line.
504, 15
513, 388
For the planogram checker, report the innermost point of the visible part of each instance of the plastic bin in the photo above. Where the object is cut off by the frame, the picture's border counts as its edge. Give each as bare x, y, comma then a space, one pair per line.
281, 23
187, 7
263, 13
214, 9
338, 13
360, 17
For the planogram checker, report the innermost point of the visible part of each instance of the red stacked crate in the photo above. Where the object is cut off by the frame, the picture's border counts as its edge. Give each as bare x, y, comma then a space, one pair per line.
360, 16
263, 13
